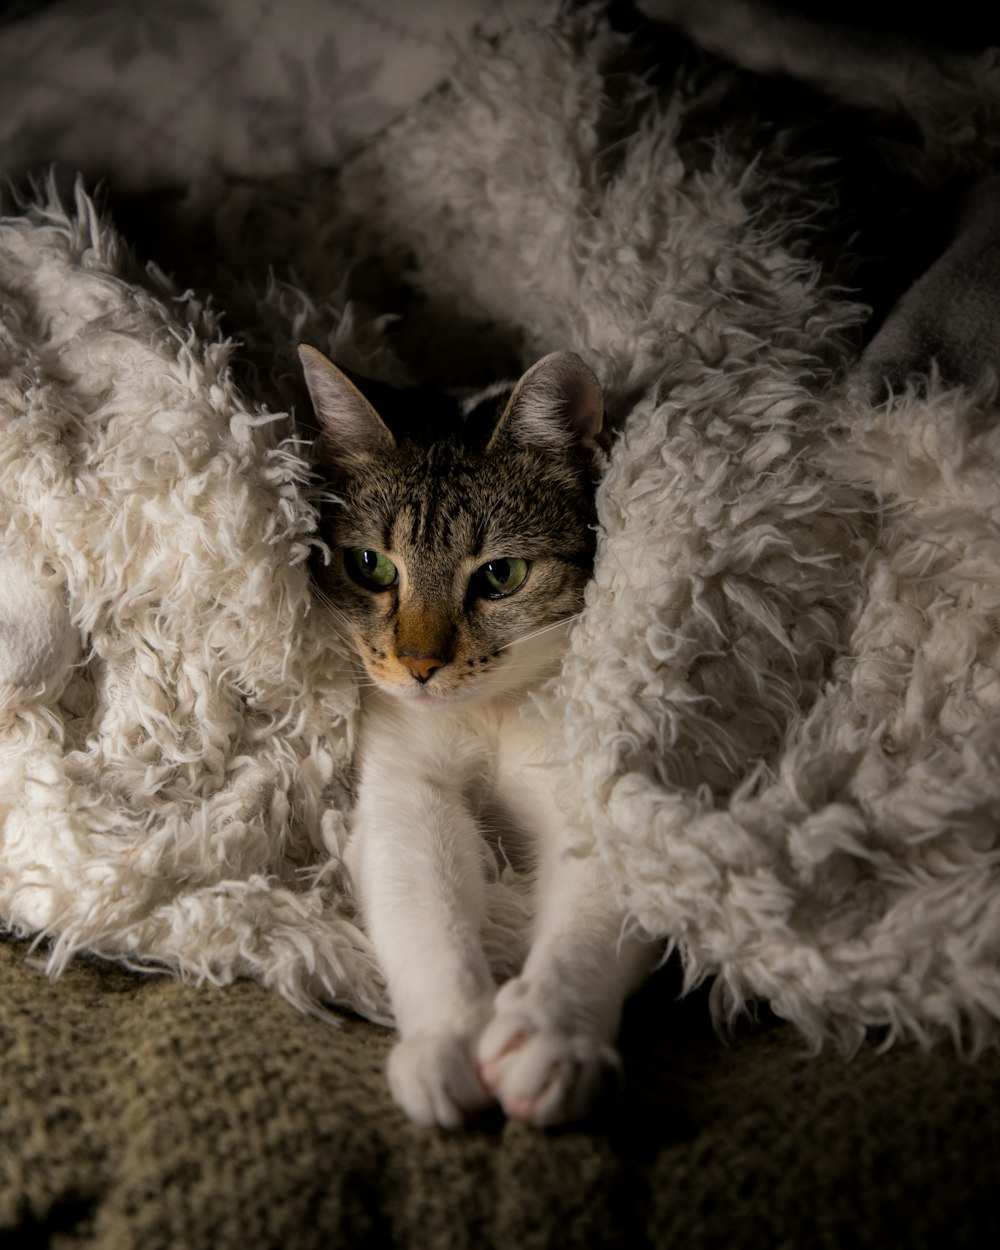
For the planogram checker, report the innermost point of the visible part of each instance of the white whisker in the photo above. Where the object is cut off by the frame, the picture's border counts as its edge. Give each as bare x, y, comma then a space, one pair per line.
337, 613
544, 629
346, 633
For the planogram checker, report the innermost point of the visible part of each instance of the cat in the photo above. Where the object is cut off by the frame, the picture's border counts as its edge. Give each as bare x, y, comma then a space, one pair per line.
461, 536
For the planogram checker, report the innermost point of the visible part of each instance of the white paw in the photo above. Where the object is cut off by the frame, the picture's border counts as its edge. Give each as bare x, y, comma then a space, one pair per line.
433, 1079
537, 1071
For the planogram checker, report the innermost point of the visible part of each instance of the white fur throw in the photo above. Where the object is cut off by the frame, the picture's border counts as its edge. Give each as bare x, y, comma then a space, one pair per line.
168, 784
781, 704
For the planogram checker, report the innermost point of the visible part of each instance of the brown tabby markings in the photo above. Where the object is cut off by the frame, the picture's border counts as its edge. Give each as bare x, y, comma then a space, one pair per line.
440, 489
459, 535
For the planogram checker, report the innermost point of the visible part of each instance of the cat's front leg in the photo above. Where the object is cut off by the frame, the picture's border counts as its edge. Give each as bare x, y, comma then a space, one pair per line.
417, 863
548, 1050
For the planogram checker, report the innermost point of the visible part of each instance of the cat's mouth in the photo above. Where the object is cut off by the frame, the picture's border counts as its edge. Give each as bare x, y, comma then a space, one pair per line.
428, 693
441, 688
421, 694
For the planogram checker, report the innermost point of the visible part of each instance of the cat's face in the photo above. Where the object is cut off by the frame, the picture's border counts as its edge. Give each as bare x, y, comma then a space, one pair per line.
462, 535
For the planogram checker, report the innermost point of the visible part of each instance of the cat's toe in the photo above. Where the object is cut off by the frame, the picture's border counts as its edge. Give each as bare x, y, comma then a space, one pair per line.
540, 1075
433, 1078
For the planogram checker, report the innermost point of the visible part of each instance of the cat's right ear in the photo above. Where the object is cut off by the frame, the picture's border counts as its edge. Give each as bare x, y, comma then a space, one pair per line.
350, 427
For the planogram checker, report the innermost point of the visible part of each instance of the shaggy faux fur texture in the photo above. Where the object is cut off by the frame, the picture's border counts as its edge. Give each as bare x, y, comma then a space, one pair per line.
169, 789
780, 707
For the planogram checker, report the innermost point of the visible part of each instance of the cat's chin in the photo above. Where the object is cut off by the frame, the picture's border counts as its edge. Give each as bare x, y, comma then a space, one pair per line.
427, 696
421, 696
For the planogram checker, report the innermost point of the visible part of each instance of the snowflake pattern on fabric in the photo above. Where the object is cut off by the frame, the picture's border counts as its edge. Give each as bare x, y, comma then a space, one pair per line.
154, 96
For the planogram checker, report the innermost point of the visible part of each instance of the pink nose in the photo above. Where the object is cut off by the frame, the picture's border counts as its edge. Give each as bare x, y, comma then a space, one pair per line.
421, 666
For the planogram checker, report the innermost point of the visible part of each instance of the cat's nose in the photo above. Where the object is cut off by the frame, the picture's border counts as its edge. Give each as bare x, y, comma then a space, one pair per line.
423, 667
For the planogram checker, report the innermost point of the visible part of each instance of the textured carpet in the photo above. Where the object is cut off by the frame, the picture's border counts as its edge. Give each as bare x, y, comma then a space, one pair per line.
137, 1111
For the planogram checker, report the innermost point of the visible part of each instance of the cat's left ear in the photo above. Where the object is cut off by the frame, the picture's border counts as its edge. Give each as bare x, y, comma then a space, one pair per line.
558, 400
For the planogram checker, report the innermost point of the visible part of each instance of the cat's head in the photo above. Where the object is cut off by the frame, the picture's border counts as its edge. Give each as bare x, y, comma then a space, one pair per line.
461, 532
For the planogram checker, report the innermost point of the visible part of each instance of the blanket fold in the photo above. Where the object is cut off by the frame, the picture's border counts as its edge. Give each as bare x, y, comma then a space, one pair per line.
779, 710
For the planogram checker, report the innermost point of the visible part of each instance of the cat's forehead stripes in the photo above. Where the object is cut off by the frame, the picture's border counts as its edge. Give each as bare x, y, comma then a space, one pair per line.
434, 522
434, 497
483, 506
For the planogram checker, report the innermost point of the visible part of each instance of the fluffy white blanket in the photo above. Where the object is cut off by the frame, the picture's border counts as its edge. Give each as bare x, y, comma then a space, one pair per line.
781, 704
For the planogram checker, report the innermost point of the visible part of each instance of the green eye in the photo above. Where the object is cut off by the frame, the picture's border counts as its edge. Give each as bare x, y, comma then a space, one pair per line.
370, 568
501, 577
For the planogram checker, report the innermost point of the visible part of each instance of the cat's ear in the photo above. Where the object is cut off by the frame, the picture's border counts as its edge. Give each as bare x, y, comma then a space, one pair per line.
559, 400
350, 426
